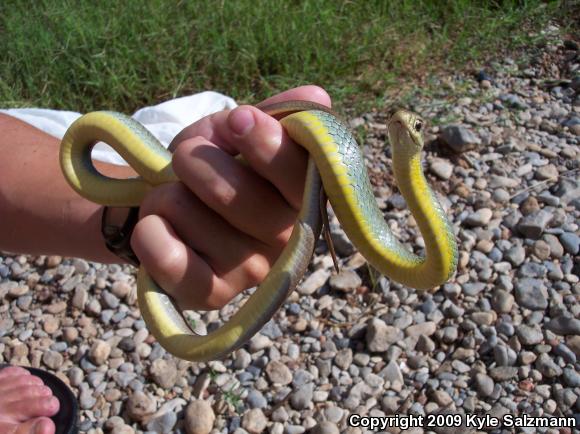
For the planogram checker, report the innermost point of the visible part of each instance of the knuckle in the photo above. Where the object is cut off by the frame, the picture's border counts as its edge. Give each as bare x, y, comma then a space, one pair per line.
222, 191
255, 270
169, 264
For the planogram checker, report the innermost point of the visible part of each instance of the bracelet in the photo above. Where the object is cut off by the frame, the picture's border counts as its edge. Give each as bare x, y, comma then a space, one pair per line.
117, 239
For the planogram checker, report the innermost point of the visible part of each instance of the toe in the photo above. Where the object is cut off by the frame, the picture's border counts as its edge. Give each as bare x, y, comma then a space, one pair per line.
17, 382
25, 409
41, 425
12, 371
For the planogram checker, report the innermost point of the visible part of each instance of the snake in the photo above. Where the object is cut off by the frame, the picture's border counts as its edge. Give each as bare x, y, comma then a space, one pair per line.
336, 168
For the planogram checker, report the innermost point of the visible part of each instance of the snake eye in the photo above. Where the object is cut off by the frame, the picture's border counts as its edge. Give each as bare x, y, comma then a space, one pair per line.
418, 126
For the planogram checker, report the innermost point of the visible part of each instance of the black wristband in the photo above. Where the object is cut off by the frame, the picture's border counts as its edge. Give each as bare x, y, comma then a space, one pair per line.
118, 239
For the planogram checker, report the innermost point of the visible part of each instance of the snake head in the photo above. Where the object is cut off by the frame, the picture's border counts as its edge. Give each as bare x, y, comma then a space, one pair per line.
406, 131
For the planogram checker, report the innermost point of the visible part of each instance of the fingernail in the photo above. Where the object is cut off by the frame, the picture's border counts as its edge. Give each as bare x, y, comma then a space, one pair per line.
241, 121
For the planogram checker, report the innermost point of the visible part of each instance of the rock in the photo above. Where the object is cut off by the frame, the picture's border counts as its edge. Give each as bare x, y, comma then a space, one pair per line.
380, 336
109, 301
564, 325
80, 297
503, 373
472, 288
86, 399
345, 281
503, 182
531, 294
52, 359
121, 289
459, 138
513, 100
139, 406
164, 373
542, 250
314, 282
443, 169
163, 424
75, 376
51, 324
571, 377
427, 329
425, 344
549, 171
556, 249
502, 301
392, 374
199, 417
343, 359
254, 421
481, 217
325, 427
516, 255
301, 398
122, 429
529, 335
566, 353
500, 195
278, 373
242, 359
256, 399
341, 243
484, 385
570, 242
547, 366
533, 225
99, 352
442, 398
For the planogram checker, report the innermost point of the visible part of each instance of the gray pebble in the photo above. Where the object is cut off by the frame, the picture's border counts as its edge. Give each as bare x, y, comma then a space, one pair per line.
301, 398
256, 399
564, 325
163, 424
533, 225
459, 138
570, 242
531, 294
529, 335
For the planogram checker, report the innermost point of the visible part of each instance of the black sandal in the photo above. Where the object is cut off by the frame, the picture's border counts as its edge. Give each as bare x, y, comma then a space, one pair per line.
67, 418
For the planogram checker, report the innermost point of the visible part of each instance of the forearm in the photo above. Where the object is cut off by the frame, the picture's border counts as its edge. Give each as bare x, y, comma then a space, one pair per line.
39, 212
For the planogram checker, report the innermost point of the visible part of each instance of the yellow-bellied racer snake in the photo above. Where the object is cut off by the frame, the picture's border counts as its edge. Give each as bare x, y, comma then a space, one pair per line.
336, 164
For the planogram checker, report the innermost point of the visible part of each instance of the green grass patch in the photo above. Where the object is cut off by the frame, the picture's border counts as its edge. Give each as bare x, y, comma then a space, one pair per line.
83, 56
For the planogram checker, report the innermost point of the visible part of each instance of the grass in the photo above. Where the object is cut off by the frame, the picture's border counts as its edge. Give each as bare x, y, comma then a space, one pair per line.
82, 55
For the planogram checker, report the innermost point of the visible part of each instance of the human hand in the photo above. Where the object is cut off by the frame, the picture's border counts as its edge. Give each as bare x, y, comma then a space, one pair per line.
219, 230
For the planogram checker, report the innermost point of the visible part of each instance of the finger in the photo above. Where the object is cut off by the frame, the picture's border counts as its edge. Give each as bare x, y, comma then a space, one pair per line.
261, 140
232, 190
176, 268
233, 255
301, 93
210, 126
264, 144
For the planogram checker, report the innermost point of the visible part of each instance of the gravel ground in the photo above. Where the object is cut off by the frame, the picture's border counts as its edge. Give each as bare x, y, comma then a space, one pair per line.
502, 337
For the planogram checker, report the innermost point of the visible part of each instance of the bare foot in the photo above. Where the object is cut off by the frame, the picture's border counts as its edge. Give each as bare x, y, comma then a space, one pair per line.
25, 403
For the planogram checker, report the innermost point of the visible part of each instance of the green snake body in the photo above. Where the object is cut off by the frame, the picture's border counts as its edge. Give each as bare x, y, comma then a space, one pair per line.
336, 164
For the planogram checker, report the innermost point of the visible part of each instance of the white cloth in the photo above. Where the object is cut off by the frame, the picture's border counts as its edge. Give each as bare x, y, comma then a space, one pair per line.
163, 120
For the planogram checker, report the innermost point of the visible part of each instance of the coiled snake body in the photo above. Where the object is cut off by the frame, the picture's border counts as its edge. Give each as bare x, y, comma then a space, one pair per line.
336, 162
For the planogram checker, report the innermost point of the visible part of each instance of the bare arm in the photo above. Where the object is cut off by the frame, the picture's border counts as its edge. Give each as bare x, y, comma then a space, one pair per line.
39, 212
